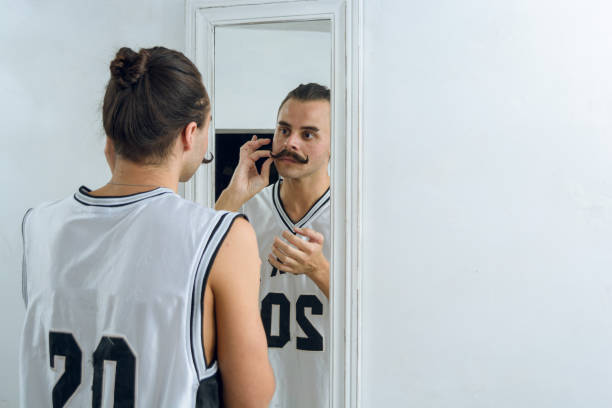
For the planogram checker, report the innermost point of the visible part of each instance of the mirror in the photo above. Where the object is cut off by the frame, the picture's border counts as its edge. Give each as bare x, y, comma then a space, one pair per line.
255, 68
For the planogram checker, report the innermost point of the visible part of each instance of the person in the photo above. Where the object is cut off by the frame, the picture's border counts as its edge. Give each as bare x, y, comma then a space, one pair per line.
292, 222
135, 296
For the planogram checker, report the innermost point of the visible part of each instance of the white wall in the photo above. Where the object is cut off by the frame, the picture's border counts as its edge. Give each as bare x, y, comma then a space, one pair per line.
255, 68
488, 204
53, 70
488, 187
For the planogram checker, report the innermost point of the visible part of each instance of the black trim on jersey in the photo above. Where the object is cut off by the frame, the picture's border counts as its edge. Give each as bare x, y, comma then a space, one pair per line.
119, 205
24, 272
205, 282
274, 194
304, 221
85, 191
312, 211
207, 274
210, 392
212, 234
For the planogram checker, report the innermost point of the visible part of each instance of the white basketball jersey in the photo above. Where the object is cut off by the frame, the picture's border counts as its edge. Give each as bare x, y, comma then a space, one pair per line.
113, 289
294, 311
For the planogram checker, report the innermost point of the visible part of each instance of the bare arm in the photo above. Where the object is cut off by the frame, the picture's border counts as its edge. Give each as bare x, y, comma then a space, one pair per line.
242, 350
246, 181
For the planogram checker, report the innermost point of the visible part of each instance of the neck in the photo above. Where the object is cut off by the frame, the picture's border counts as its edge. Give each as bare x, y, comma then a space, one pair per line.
129, 177
299, 195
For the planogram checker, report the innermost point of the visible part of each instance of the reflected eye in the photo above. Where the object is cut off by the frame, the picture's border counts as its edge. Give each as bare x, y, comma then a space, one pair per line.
283, 131
309, 135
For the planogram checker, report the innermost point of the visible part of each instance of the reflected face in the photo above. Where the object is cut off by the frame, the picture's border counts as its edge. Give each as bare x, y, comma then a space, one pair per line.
302, 139
200, 146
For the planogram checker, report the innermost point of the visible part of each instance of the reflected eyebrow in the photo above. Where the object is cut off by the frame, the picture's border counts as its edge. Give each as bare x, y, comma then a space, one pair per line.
311, 128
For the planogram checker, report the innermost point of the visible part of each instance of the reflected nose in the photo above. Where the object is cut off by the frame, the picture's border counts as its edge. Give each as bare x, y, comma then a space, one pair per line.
291, 143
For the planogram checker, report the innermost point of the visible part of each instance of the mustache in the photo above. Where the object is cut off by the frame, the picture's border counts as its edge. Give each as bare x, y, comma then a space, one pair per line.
206, 161
287, 153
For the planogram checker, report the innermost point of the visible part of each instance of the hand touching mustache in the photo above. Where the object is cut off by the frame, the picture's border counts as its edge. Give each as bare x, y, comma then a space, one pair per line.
295, 156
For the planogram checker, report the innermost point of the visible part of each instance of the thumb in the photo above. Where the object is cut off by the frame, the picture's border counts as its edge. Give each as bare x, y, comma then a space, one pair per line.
265, 169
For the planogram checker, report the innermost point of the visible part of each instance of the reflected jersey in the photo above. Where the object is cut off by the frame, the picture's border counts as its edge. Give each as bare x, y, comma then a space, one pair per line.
113, 289
294, 311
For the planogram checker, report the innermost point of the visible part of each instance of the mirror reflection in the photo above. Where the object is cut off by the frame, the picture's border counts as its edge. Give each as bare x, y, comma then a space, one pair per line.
272, 151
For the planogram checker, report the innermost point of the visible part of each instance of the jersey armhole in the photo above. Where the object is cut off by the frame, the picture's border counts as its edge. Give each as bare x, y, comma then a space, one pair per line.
204, 368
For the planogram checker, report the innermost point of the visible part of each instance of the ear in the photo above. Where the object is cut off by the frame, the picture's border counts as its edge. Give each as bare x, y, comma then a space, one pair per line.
188, 135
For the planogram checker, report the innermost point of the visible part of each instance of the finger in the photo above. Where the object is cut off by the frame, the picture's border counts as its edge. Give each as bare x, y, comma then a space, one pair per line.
296, 241
279, 256
254, 144
312, 235
288, 250
282, 257
281, 267
258, 154
265, 168
257, 143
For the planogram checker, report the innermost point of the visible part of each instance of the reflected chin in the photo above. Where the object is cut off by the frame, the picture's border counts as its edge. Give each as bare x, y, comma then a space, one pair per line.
289, 172
285, 162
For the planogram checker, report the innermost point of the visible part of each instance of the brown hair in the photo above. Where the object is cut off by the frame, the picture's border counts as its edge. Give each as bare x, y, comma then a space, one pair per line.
151, 96
307, 92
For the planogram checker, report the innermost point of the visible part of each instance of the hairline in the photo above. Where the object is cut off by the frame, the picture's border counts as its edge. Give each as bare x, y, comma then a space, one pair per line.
299, 100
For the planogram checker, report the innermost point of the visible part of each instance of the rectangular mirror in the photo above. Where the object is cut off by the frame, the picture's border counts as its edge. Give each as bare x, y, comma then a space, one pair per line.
256, 66
251, 56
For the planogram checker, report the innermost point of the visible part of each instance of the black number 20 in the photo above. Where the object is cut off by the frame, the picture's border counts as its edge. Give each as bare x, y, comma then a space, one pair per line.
313, 341
109, 349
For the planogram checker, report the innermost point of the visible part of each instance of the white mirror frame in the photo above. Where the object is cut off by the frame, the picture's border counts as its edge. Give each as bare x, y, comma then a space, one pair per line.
202, 17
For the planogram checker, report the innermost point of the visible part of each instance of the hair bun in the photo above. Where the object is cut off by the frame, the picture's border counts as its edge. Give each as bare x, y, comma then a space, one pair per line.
128, 67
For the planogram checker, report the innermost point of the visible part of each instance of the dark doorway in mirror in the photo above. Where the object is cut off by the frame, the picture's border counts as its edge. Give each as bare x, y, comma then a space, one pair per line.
227, 151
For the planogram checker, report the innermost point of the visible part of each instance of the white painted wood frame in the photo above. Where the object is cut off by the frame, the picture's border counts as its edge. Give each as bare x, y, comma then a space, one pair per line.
202, 17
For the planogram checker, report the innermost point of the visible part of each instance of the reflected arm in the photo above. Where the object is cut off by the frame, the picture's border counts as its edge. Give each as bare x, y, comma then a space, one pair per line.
230, 201
246, 180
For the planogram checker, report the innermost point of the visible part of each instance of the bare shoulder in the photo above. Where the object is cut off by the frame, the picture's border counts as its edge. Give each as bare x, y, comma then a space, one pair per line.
238, 255
241, 233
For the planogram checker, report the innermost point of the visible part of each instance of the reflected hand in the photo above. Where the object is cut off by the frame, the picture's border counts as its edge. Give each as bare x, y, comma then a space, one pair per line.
246, 180
301, 257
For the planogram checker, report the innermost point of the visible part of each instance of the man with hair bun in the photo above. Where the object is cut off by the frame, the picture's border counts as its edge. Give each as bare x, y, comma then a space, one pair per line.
291, 219
134, 296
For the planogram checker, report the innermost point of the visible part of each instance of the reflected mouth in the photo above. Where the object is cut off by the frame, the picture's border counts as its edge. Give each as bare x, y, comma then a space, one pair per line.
291, 155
